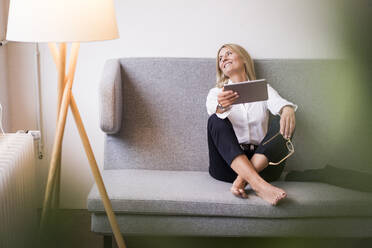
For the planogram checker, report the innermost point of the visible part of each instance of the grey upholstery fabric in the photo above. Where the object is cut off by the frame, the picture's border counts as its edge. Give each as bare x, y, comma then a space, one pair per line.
232, 226
110, 97
164, 115
196, 193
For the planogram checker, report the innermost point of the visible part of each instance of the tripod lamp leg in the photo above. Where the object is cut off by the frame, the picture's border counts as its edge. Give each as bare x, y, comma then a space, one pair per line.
97, 175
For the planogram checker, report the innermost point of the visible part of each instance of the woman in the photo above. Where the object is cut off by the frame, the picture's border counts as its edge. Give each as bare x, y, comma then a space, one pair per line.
236, 133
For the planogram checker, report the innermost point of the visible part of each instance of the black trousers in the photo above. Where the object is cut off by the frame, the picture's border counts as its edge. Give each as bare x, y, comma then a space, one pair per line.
224, 148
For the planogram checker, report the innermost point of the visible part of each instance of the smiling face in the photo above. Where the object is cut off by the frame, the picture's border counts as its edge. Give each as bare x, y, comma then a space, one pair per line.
230, 62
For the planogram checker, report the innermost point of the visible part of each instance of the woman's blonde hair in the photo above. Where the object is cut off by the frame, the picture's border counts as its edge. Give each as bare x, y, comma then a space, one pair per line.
244, 55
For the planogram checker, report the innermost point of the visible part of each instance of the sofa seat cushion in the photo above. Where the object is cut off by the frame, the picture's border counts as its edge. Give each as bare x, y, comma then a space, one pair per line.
160, 192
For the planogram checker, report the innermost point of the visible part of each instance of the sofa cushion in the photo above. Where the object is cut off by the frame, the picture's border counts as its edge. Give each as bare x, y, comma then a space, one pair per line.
186, 225
160, 192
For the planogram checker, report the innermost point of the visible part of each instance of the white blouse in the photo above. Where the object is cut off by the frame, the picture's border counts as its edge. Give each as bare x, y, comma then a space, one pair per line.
249, 120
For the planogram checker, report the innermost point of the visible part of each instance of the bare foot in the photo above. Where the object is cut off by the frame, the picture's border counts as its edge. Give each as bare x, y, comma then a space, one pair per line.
238, 187
269, 192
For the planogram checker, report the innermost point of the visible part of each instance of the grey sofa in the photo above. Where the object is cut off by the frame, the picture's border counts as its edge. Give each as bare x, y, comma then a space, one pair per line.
156, 157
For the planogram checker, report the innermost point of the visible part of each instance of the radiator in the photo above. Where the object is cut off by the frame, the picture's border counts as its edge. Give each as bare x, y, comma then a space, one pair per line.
18, 212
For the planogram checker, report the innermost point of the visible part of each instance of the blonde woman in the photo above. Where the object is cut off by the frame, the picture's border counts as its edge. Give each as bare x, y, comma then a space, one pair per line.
236, 132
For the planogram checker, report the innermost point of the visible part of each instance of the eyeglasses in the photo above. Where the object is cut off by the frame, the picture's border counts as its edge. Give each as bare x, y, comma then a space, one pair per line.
289, 146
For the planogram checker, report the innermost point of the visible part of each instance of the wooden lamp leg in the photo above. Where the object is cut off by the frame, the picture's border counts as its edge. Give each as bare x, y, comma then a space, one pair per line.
68, 99
59, 56
61, 84
55, 153
96, 174
60, 128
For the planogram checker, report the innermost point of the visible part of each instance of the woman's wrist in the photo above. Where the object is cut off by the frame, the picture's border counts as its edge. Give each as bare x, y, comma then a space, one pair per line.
220, 109
284, 107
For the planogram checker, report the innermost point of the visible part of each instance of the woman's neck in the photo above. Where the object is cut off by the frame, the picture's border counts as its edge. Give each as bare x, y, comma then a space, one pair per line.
240, 77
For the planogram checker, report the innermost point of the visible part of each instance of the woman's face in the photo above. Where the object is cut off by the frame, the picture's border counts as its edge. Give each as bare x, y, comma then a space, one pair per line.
230, 62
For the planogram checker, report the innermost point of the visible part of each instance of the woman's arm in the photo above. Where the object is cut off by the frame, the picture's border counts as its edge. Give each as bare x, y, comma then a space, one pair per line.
287, 121
211, 102
286, 109
226, 99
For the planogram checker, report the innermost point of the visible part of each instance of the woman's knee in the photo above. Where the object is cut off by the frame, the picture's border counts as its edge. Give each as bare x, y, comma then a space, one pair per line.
215, 123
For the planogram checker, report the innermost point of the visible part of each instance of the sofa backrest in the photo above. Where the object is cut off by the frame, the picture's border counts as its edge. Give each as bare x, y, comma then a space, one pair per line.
153, 110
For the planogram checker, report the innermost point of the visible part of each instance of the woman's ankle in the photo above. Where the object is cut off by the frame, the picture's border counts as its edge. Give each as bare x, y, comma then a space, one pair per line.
240, 179
258, 184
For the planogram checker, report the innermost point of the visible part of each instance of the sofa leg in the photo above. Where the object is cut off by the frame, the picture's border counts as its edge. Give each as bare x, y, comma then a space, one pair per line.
107, 241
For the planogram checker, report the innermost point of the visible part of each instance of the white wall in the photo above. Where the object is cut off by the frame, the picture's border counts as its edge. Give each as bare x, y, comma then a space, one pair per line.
3, 68
192, 28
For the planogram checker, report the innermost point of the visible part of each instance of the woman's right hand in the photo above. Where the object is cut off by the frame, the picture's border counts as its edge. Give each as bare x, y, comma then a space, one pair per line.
227, 98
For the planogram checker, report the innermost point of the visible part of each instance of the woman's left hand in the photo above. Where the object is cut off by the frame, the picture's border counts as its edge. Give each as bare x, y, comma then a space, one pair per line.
287, 121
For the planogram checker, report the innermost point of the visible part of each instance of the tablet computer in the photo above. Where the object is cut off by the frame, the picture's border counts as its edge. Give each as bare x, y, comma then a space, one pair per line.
249, 91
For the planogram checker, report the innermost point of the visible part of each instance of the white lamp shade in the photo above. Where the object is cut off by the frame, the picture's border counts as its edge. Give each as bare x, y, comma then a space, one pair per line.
61, 20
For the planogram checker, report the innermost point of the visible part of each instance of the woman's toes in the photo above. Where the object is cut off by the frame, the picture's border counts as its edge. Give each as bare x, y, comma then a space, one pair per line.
238, 192
270, 193
242, 193
234, 191
280, 197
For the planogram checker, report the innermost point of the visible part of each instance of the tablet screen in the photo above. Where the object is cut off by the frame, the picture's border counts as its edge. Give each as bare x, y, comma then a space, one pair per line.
249, 91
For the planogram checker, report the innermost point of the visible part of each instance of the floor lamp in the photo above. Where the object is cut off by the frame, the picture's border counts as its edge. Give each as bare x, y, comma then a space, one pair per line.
66, 21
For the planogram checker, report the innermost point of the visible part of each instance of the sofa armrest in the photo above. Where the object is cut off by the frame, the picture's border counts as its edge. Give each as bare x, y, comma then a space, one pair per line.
110, 97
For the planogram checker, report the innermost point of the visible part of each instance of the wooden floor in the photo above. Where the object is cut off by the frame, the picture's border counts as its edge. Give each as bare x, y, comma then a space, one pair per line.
74, 231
